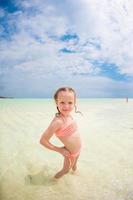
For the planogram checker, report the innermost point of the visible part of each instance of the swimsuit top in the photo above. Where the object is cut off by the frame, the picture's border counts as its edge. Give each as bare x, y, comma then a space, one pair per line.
67, 130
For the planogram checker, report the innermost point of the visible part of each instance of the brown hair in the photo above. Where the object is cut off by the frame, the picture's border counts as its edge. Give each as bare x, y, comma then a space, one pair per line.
65, 89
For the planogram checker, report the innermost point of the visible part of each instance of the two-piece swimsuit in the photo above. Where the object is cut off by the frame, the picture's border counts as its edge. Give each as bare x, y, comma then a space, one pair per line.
68, 130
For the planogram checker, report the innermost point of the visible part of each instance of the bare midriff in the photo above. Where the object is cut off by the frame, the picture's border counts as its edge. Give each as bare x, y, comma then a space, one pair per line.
71, 142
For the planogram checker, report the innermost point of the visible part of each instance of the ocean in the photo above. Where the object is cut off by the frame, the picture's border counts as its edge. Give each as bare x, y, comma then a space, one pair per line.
105, 166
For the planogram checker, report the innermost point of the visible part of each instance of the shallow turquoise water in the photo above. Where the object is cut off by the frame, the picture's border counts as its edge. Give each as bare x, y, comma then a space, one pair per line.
105, 165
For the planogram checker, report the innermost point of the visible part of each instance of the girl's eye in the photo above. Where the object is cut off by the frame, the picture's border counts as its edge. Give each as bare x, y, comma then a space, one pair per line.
70, 103
62, 102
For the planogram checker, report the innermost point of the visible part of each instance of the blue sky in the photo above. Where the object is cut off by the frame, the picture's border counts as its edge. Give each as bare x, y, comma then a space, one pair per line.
85, 44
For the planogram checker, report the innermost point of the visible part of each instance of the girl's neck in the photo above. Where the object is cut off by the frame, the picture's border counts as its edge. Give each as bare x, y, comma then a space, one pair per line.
66, 118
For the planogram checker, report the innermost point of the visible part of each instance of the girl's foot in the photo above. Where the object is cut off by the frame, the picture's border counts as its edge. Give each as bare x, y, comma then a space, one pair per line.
61, 173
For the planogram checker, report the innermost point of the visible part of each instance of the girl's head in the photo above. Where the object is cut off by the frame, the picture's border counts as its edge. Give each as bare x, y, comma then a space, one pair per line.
65, 99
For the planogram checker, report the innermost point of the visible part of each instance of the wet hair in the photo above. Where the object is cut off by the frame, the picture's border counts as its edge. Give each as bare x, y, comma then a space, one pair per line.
65, 89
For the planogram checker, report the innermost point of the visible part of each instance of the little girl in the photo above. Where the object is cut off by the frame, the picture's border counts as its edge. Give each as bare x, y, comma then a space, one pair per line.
65, 128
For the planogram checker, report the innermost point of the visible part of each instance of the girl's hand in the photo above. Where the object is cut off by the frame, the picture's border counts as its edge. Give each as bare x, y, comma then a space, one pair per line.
64, 151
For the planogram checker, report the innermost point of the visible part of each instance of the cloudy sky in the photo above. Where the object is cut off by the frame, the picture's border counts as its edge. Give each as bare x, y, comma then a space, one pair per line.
85, 44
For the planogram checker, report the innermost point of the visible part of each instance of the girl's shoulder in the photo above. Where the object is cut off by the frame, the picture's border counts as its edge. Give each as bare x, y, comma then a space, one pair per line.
57, 121
55, 124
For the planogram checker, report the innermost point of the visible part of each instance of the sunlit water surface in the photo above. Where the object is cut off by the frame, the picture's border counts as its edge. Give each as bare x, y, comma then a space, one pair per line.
105, 167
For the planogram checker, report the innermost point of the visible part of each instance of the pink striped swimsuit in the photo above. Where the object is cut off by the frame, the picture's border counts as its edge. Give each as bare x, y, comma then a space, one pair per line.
68, 130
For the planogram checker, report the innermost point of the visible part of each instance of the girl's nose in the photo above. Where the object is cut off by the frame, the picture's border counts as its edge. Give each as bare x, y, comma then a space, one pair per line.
66, 106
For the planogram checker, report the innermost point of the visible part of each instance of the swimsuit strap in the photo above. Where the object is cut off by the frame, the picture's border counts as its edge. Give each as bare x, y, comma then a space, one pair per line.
62, 117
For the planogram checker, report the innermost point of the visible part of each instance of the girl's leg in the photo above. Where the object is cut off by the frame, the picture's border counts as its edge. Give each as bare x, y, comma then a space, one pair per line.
65, 169
74, 163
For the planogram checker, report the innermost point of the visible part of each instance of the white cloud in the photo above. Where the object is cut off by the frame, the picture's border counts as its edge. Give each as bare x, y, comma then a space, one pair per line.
111, 22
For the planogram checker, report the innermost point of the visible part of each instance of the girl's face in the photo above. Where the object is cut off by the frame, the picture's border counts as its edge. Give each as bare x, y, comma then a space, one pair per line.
65, 102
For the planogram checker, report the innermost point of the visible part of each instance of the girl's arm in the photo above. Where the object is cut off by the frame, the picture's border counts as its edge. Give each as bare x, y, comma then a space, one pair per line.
54, 126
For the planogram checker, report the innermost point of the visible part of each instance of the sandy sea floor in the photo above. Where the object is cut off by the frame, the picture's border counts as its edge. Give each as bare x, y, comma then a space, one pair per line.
105, 167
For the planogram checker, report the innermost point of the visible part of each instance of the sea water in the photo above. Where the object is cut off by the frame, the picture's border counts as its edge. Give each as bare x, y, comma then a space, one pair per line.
105, 166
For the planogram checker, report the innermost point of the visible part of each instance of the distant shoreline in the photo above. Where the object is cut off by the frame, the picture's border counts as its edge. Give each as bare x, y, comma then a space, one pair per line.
6, 97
